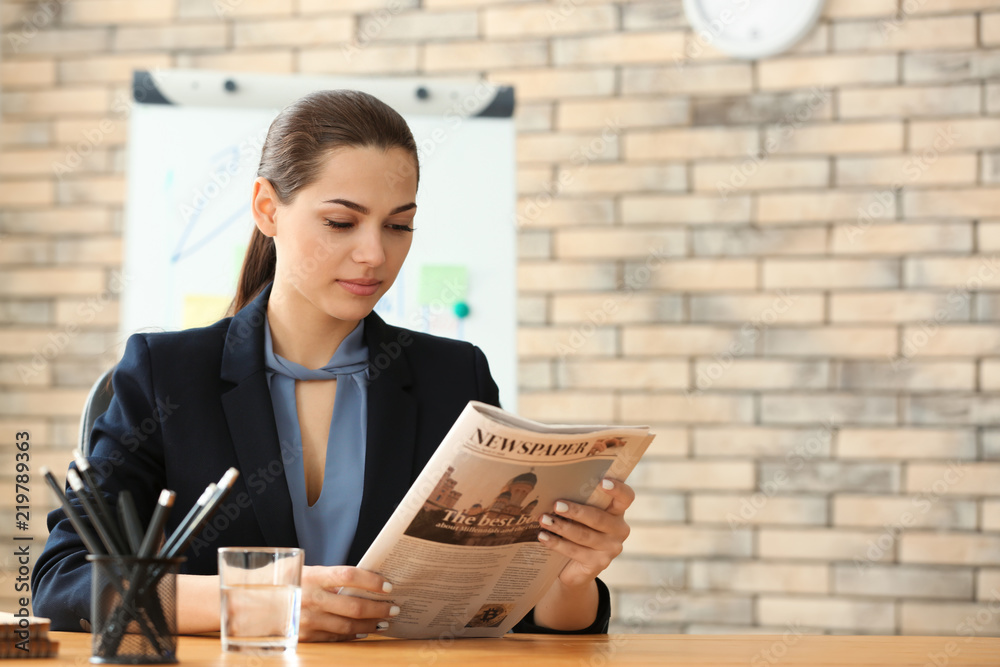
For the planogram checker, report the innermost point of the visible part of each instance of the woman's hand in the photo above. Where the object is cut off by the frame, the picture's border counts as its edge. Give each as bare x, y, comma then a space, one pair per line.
329, 616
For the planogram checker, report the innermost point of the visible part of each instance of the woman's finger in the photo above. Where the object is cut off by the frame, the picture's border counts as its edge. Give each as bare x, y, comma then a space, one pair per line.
622, 495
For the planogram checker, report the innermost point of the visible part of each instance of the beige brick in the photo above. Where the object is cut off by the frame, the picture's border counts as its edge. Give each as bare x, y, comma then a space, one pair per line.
949, 6
56, 41
117, 12
43, 402
534, 244
616, 307
556, 84
988, 586
960, 274
909, 170
681, 475
831, 341
50, 282
758, 441
373, 58
894, 581
646, 15
701, 275
990, 29
671, 440
827, 71
910, 102
50, 161
659, 507
835, 138
25, 312
25, 250
18, 373
83, 133
758, 310
958, 203
748, 240
96, 311
91, 190
620, 178
989, 374
535, 180
704, 608
759, 374
566, 407
632, 572
323, 6
560, 212
962, 479
953, 134
564, 276
753, 174
830, 273
949, 548
481, 55
688, 541
56, 220
521, 20
685, 209
566, 147
952, 409
901, 238
841, 408
618, 48
102, 251
189, 9
818, 544
722, 79
909, 34
790, 107
895, 306
906, 443
854, 615
535, 117
954, 340
738, 510
21, 133
270, 61
16, 194
420, 25
623, 112
757, 577
312, 31
950, 66
910, 377
803, 474
19, 74
203, 36
110, 68
684, 340
824, 205
619, 243
898, 513
623, 374
38, 430
79, 99
847, 9
692, 409
927, 618
682, 144
582, 340
535, 375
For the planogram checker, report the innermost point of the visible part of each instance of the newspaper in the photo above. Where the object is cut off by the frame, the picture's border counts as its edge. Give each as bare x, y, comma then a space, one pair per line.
461, 549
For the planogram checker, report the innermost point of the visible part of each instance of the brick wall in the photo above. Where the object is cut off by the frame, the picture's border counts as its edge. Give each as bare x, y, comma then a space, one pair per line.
788, 267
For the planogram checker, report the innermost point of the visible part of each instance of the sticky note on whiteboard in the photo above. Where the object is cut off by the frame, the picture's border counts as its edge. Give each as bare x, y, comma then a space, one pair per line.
442, 284
203, 309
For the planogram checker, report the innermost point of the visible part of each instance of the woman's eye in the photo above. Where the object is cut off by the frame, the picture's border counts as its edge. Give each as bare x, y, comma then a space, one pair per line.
401, 228
338, 225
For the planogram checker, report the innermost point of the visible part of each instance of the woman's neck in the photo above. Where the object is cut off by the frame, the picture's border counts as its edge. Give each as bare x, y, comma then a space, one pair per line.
302, 333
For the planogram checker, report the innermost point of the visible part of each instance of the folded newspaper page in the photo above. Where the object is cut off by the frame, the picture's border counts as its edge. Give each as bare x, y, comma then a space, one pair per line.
461, 549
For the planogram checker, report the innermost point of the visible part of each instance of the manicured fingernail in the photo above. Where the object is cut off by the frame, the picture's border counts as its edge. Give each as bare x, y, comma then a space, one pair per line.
561, 506
382, 626
361, 636
386, 587
608, 484
544, 537
547, 520
394, 611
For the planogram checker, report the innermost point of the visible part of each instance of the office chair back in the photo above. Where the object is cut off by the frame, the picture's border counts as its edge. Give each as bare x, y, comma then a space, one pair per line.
98, 401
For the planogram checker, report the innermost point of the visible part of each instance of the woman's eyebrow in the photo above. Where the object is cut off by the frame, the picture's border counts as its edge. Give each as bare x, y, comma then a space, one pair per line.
364, 211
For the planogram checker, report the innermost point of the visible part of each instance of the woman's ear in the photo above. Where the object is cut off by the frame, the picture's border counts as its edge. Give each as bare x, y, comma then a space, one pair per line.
264, 206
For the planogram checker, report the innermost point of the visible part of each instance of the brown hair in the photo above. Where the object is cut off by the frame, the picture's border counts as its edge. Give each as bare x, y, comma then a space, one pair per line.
298, 141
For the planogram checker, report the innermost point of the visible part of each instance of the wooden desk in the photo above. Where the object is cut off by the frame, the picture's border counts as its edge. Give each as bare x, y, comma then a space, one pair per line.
594, 651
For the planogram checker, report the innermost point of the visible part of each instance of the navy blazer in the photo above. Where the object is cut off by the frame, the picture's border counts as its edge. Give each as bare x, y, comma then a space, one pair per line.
188, 405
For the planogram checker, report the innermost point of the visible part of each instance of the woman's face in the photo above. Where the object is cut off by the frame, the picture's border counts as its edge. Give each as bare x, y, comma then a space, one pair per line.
342, 240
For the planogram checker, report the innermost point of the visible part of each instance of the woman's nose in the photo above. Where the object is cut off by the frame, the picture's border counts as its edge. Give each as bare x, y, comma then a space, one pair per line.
369, 249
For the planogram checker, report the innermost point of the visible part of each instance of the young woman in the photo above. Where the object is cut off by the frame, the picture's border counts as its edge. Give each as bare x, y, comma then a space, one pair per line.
328, 412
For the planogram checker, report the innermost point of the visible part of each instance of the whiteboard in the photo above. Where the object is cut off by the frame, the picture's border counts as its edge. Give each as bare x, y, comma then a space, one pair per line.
193, 149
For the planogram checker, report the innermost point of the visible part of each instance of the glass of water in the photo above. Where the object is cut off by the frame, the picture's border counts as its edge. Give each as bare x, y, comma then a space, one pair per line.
261, 598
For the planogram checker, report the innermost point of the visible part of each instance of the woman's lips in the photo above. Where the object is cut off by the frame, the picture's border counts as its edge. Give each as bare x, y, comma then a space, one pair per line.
360, 288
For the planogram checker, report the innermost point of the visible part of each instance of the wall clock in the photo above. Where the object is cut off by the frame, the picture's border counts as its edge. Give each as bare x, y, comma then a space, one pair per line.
751, 29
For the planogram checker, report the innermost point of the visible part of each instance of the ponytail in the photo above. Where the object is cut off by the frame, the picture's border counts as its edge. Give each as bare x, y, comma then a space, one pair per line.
257, 271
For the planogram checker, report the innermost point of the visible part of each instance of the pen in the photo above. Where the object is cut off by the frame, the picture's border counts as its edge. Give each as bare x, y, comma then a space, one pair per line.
104, 514
130, 521
76, 484
160, 515
222, 490
88, 539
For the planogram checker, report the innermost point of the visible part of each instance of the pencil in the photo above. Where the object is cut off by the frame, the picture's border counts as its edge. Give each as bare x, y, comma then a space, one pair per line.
188, 519
104, 512
87, 537
76, 484
155, 527
222, 490
130, 521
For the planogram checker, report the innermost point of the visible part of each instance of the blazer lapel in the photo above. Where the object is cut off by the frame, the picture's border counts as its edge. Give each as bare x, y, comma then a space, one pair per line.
250, 416
392, 424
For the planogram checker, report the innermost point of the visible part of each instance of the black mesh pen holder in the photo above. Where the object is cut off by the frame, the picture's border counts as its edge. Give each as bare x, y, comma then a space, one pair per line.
133, 609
